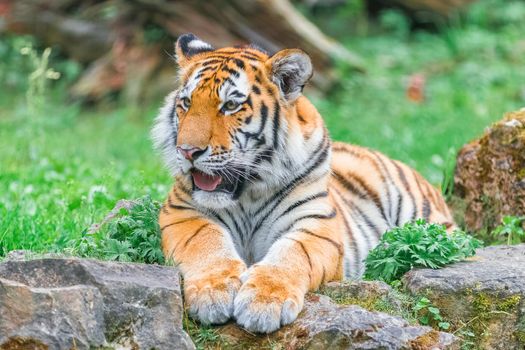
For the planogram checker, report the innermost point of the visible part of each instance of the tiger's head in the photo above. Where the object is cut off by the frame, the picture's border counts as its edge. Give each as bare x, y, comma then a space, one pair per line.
234, 121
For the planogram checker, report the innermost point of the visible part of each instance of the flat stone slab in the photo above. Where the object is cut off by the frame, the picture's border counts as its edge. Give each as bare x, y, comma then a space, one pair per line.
485, 293
84, 304
326, 325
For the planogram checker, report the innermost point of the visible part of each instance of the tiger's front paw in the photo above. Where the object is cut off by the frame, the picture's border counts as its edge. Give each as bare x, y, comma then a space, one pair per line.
268, 299
209, 296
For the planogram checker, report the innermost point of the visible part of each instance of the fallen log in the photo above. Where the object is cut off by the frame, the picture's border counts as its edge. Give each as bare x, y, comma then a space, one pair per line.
126, 45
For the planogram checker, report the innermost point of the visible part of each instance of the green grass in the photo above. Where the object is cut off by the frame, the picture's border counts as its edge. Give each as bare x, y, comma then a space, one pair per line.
63, 168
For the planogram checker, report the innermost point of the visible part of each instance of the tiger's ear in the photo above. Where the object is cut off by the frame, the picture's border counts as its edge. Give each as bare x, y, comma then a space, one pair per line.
187, 46
290, 69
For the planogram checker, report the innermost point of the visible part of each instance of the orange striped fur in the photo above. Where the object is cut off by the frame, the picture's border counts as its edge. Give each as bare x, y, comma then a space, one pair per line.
264, 206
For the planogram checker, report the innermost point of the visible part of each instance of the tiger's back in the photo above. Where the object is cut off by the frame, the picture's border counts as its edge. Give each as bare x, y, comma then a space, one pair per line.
373, 193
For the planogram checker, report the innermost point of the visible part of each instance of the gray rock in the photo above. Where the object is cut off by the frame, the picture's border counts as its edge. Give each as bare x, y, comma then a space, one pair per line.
363, 293
485, 295
326, 325
83, 304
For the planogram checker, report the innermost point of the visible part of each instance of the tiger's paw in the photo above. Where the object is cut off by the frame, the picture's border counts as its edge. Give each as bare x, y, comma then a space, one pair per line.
267, 300
210, 298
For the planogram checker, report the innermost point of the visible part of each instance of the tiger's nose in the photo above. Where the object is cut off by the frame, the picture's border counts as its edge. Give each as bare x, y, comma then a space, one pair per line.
191, 153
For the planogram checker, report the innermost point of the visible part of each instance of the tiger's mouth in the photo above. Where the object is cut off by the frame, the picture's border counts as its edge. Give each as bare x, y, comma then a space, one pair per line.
213, 183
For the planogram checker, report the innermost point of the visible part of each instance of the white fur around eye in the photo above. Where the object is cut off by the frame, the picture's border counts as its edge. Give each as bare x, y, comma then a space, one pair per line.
190, 85
233, 89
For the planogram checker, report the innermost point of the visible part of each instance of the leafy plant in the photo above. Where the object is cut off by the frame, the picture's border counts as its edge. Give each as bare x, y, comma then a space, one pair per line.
417, 244
130, 234
429, 314
512, 228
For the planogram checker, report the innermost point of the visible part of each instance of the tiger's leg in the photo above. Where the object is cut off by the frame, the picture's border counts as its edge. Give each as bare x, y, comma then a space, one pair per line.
208, 260
272, 293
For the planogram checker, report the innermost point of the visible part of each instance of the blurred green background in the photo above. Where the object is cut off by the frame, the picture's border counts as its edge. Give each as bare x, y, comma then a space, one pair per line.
428, 87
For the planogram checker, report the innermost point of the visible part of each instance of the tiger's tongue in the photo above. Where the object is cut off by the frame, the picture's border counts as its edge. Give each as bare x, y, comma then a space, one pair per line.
204, 181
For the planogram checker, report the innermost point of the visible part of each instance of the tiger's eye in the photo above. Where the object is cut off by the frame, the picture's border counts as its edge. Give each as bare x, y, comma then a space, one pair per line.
230, 105
186, 103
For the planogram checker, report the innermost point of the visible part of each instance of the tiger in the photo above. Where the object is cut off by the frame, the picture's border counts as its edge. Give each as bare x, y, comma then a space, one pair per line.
265, 207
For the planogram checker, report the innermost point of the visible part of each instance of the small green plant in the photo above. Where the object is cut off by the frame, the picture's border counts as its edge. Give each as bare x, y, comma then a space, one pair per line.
429, 314
512, 228
130, 233
39, 77
417, 244
204, 336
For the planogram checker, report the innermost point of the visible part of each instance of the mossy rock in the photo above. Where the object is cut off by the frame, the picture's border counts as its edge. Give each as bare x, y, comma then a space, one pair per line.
324, 324
483, 298
489, 180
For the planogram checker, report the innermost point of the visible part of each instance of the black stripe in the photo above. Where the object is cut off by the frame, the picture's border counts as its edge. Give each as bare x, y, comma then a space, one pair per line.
426, 209
388, 177
399, 206
229, 80
221, 221
403, 178
244, 218
205, 69
383, 181
305, 217
199, 230
357, 257
307, 256
180, 199
173, 111
239, 63
348, 185
365, 234
276, 124
337, 246
233, 72
250, 57
371, 193
183, 188
210, 62
256, 90
420, 189
239, 189
236, 224
368, 221
179, 222
178, 207
303, 201
354, 209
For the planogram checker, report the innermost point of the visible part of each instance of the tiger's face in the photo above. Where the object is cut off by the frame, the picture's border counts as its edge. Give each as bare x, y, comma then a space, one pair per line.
227, 121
